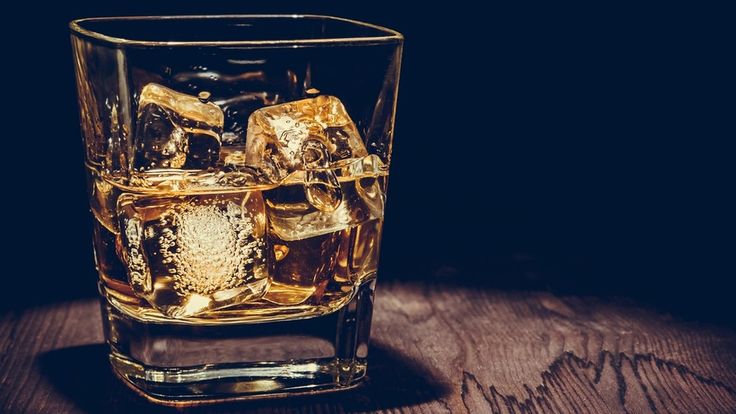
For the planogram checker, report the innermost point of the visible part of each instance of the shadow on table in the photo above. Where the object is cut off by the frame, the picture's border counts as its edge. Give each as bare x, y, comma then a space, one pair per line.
83, 375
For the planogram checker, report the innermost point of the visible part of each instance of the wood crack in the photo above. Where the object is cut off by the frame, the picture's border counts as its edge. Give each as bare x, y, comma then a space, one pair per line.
570, 375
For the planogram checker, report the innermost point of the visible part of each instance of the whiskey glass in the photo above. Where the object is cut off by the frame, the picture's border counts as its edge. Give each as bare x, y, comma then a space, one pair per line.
237, 170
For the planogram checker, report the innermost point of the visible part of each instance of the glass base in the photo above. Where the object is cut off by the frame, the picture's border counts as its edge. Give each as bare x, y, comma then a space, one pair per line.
213, 384
176, 364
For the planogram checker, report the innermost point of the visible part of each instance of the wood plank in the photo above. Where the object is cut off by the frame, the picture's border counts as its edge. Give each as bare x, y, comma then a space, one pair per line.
436, 348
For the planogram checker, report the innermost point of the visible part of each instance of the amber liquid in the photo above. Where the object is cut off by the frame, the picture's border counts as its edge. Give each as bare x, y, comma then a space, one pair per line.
234, 255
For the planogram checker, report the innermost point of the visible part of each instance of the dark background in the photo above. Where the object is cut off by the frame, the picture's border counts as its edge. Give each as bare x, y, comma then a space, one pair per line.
582, 149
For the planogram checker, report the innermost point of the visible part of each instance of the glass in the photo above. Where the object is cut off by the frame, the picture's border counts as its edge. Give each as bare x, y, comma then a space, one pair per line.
237, 170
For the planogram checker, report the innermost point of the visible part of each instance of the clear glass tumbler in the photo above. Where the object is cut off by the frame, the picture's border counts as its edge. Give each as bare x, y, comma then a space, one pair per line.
237, 170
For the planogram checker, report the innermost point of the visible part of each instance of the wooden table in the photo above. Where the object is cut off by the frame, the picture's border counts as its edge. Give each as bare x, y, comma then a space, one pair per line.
436, 348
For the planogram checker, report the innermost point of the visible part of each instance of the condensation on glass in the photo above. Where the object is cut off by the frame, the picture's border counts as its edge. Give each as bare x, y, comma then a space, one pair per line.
237, 170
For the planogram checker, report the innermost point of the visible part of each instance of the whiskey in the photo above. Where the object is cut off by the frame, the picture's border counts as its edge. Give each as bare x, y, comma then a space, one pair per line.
288, 260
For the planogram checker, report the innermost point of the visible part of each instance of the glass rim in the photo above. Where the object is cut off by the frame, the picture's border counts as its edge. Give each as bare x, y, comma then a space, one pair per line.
384, 35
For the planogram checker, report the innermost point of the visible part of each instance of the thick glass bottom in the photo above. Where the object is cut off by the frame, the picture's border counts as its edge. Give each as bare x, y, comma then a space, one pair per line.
180, 364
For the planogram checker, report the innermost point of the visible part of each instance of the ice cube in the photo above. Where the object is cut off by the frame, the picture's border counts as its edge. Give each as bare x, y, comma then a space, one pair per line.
103, 197
303, 268
364, 253
176, 130
188, 255
312, 245
293, 217
160, 143
277, 135
327, 188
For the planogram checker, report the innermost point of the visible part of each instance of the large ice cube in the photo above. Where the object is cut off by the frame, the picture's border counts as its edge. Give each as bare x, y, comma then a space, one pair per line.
176, 130
188, 255
277, 135
293, 217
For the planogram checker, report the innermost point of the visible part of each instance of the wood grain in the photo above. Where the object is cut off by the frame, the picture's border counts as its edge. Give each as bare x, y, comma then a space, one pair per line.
436, 348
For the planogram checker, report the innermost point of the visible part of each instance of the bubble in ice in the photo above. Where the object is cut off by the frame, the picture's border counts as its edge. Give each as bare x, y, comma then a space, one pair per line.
176, 130
189, 255
207, 246
204, 96
139, 274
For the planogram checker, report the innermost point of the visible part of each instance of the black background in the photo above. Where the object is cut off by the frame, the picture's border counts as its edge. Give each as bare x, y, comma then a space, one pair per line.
583, 149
